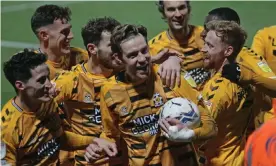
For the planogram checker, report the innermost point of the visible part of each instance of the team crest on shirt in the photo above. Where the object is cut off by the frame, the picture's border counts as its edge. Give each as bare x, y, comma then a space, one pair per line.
123, 111
87, 98
157, 100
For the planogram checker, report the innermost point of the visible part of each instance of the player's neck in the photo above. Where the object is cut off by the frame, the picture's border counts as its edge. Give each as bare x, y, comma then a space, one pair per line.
95, 67
50, 55
26, 104
220, 66
181, 36
133, 80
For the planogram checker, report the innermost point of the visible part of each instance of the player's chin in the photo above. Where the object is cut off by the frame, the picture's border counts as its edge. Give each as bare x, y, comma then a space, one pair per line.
206, 64
142, 76
66, 50
177, 26
45, 98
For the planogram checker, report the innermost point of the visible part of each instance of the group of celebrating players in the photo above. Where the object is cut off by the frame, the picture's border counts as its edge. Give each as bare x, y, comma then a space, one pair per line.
100, 106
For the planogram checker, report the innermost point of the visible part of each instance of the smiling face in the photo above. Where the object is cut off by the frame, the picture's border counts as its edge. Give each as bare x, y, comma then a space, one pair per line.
214, 50
176, 14
136, 57
58, 36
36, 89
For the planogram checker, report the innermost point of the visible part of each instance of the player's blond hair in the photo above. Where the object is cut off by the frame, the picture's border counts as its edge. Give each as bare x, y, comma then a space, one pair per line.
229, 32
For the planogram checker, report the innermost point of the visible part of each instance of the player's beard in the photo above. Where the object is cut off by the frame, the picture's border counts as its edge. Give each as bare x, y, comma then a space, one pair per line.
106, 63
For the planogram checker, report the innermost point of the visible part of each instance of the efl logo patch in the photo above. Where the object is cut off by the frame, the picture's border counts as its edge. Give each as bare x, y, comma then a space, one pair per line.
264, 67
190, 80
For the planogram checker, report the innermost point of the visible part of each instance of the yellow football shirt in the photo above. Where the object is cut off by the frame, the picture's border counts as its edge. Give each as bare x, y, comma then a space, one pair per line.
255, 61
230, 106
191, 55
80, 97
77, 56
131, 111
35, 137
264, 43
259, 66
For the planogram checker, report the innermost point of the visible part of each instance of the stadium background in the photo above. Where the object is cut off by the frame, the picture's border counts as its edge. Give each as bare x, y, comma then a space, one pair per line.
16, 30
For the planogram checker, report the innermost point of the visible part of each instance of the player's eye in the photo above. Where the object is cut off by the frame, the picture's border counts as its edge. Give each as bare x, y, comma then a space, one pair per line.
145, 50
132, 55
42, 80
171, 9
65, 32
182, 7
210, 45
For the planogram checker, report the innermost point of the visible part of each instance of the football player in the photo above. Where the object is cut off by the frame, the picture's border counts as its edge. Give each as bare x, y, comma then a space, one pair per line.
51, 25
183, 38
130, 105
31, 128
229, 103
253, 70
80, 87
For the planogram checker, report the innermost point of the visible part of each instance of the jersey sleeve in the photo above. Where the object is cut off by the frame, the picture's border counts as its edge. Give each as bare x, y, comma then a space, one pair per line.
154, 46
208, 128
264, 84
109, 117
67, 82
10, 139
254, 61
72, 141
258, 44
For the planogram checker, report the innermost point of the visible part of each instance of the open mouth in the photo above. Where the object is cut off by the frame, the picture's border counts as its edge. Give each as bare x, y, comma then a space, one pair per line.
143, 68
66, 45
178, 22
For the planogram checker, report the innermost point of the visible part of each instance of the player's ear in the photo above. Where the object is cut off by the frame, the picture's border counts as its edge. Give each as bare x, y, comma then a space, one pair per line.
19, 85
43, 35
117, 57
92, 49
229, 51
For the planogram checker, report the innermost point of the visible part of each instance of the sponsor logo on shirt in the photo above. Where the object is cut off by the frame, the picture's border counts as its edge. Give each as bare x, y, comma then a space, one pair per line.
147, 123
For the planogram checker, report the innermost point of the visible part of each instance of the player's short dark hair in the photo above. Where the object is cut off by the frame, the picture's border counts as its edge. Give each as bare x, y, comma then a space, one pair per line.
123, 32
19, 66
47, 14
92, 31
225, 13
160, 5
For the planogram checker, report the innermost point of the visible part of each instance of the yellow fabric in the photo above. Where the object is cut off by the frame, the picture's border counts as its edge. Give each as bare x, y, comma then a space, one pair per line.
130, 111
32, 138
230, 106
77, 56
35, 137
80, 95
254, 61
264, 43
191, 55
